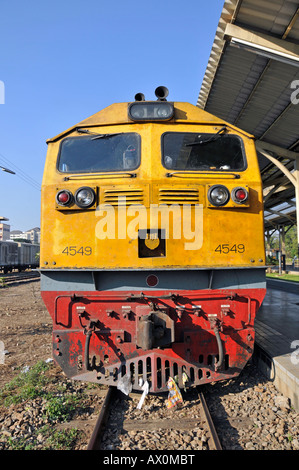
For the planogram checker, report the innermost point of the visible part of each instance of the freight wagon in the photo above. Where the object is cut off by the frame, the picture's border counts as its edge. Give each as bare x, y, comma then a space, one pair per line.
17, 255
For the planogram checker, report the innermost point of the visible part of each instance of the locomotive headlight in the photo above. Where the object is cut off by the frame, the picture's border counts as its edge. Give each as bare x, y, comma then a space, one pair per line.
218, 195
239, 195
150, 111
64, 197
85, 197
164, 111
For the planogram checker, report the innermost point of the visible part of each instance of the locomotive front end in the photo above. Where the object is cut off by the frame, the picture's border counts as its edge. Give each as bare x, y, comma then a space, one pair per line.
152, 245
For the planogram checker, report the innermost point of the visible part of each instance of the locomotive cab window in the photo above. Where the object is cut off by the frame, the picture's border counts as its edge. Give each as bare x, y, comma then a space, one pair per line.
99, 152
202, 152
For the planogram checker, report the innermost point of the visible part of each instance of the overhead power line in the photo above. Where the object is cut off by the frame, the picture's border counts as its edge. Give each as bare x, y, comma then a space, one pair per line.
20, 173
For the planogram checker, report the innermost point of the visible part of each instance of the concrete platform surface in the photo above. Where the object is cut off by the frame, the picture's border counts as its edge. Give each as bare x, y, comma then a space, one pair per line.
277, 338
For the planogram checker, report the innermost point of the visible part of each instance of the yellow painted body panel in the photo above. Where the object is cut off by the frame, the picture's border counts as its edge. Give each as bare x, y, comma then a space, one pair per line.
71, 237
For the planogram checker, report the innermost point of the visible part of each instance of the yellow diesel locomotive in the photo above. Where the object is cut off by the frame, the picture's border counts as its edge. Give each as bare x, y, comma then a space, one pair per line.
152, 245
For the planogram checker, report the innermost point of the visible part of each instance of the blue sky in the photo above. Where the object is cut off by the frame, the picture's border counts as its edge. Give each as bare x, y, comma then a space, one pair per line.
62, 61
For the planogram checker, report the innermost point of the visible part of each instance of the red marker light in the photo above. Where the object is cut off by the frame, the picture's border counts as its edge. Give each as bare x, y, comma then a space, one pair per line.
239, 195
63, 198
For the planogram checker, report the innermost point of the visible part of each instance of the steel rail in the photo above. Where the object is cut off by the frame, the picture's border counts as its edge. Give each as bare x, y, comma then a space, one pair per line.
215, 444
17, 277
94, 442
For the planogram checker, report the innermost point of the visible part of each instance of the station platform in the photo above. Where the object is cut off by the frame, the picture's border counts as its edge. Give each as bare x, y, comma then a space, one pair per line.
277, 338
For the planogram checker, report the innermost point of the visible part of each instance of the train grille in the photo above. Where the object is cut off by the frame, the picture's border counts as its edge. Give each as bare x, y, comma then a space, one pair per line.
123, 197
156, 369
178, 196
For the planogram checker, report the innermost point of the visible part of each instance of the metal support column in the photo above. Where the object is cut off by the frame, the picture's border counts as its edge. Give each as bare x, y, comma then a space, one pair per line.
293, 177
296, 176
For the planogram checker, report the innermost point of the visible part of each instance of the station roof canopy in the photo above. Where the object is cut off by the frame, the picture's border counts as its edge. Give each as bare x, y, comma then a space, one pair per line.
252, 81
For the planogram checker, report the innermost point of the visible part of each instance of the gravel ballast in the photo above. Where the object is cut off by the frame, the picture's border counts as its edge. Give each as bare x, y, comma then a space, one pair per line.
248, 411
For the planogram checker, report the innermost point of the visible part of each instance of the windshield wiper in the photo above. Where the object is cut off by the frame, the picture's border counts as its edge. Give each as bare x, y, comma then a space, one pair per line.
216, 136
200, 174
97, 136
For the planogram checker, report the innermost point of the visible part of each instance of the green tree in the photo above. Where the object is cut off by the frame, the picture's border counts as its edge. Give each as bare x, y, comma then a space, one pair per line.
291, 242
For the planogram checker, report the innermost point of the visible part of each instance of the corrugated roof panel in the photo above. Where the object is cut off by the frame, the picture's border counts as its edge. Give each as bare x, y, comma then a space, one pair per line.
270, 99
271, 16
294, 33
285, 133
228, 86
266, 12
254, 92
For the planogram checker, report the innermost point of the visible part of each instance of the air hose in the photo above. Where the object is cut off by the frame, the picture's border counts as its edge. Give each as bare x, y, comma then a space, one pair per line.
220, 349
86, 352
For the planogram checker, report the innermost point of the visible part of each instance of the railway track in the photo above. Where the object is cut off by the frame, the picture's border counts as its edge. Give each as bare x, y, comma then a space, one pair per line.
194, 417
16, 277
